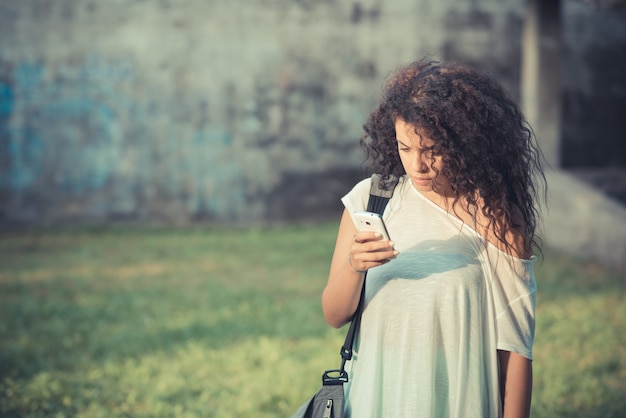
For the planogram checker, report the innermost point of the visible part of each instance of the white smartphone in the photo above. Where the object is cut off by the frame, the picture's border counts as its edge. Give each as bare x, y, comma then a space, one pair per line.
370, 221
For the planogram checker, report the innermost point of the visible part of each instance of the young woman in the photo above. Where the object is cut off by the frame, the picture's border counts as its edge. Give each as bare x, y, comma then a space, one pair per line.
448, 324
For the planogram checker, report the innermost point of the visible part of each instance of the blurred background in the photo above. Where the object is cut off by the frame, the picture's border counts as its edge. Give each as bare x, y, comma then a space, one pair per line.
170, 175
243, 112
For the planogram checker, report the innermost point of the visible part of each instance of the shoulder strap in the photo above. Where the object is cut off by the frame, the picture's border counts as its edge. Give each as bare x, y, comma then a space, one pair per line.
380, 193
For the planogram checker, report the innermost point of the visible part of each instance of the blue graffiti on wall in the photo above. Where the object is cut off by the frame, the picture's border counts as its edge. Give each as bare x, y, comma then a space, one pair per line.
28, 76
6, 103
220, 188
66, 136
23, 157
20, 142
72, 133
6, 153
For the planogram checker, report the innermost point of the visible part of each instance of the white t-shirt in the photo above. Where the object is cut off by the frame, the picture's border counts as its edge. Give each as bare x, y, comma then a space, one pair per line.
436, 315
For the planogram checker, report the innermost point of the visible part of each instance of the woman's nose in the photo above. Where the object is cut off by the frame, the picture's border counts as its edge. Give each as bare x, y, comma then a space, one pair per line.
421, 164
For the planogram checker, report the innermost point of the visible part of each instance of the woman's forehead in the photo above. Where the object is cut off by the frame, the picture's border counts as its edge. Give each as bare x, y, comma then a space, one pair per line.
406, 132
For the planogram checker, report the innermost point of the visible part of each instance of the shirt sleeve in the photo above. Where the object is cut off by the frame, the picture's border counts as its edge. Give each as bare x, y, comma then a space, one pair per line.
514, 292
357, 198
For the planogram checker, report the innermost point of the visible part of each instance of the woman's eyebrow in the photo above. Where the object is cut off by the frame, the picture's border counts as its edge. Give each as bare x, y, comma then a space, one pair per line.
421, 146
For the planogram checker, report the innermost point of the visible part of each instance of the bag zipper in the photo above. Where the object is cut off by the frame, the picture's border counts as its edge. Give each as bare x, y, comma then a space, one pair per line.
329, 409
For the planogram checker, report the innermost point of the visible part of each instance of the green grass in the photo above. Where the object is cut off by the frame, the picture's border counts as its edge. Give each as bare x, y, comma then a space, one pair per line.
225, 322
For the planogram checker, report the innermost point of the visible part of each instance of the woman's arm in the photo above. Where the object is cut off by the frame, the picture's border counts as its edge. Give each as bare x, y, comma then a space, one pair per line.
516, 382
353, 251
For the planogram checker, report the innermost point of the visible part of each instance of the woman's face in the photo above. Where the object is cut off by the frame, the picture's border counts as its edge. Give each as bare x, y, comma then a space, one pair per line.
421, 160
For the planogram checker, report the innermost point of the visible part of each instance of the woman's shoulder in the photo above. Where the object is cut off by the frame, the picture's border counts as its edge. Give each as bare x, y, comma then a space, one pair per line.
356, 198
360, 190
511, 239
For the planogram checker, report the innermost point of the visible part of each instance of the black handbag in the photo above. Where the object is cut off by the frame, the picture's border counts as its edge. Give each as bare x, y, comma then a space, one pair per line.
329, 401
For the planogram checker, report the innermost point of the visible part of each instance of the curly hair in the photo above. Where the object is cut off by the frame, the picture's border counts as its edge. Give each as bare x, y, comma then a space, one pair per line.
489, 151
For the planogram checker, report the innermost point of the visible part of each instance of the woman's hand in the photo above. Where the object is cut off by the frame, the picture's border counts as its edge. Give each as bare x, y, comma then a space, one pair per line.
355, 253
369, 250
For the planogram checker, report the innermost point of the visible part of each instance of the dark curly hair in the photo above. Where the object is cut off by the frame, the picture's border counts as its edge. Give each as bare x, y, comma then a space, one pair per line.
489, 152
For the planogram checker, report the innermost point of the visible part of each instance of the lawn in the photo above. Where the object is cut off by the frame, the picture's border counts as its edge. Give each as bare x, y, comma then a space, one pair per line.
226, 322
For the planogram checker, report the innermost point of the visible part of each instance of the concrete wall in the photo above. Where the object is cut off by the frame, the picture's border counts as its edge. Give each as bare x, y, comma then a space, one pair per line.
594, 85
224, 110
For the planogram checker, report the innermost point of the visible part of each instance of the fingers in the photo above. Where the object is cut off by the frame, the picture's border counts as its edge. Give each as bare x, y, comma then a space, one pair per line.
366, 236
373, 256
361, 262
370, 250
370, 242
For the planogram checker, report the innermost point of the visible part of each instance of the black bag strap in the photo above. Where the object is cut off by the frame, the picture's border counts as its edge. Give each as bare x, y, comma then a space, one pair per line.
379, 196
380, 193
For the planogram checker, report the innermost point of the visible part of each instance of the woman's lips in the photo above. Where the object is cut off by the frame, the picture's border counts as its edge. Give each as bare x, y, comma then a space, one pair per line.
421, 181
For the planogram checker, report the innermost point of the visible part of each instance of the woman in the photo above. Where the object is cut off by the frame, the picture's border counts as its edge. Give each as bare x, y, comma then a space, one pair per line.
448, 324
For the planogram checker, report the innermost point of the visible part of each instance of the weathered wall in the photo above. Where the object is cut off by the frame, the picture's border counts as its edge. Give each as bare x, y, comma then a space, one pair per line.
220, 110
594, 86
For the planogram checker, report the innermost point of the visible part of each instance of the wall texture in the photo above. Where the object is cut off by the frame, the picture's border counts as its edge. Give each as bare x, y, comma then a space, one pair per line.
594, 85
236, 111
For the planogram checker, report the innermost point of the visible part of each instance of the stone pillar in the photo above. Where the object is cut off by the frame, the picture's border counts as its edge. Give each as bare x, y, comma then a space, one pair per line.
541, 74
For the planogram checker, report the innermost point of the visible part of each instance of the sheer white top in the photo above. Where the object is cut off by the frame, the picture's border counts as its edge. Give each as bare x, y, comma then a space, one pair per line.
435, 316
